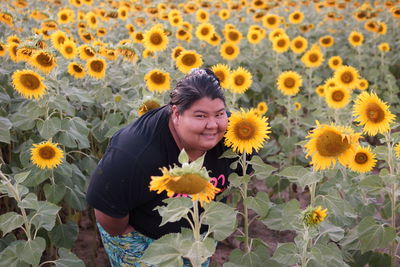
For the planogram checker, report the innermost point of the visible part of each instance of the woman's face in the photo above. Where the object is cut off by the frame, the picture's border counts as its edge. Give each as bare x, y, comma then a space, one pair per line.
201, 126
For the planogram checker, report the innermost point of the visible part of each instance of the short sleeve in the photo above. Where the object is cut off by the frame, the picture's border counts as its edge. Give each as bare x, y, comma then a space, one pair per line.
109, 187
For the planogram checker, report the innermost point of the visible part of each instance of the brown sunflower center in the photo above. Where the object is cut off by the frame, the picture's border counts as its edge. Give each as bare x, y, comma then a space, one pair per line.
337, 96
30, 81
361, 158
77, 68
281, 43
93, 20
60, 39
298, 44
289, 82
69, 50
326, 41
123, 13
239, 80
156, 39
356, 38
64, 17
244, 130
335, 62
220, 75
375, 113
44, 60
234, 36
331, 144
271, 20
229, 50
187, 184
139, 36
189, 60
89, 52
296, 16
347, 77
47, 152
205, 31
254, 36
97, 66
313, 57
157, 78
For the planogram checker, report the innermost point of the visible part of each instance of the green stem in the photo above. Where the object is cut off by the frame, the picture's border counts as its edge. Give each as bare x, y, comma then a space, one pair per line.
313, 187
245, 209
288, 116
310, 90
305, 248
196, 221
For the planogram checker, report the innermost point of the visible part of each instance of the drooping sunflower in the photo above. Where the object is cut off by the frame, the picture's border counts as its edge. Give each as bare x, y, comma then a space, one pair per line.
44, 61
275, 33
223, 72
138, 37
155, 39
346, 76
312, 58
363, 160
241, 80
372, 113
335, 62
281, 44
356, 38
123, 12
298, 45
12, 49
147, 106
96, 67
271, 21
46, 155
176, 52
86, 52
68, 49
296, 17
188, 60
246, 131
329, 143
289, 82
215, 39
312, 217
337, 97
326, 41
229, 51
157, 81
262, 107
29, 84
76, 70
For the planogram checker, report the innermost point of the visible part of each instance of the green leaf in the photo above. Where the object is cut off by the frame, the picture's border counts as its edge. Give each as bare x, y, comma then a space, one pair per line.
336, 205
11, 256
54, 193
6, 241
229, 154
68, 259
335, 233
10, 221
284, 216
220, 218
301, 175
176, 209
31, 251
256, 258
329, 254
64, 235
49, 128
373, 184
373, 235
262, 169
183, 157
286, 254
199, 252
20, 177
260, 203
5, 126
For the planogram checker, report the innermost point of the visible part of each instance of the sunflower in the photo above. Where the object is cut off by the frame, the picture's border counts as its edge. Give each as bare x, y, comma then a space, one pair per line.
246, 131
28, 84
382, 28
241, 80
175, 21
101, 32
372, 113
176, 52
224, 14
356, 38
337, 97
363, 160
46, 155
312, 217
157, 81
188, 60
397, 150
320, 90
329, 143
65, 16
384, 47
289, 83
362, 84
281, 44
346, 76
214, 40
86, 52
44, 61
24, 53
298, 45
123, 12
204, 31
76, 70
296, 17
254, 36
3, 49
58, 38
312, 58
335, 62
96, 67
202, 15
326, 41
270, 21
147, 106
91, 20
138, 37
6, 18
12, 49
68, 49
223, 72
155, 39
233, 36
229, 51
262, 108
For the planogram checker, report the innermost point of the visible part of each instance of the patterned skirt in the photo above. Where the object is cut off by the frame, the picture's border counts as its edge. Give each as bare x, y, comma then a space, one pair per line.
126, 250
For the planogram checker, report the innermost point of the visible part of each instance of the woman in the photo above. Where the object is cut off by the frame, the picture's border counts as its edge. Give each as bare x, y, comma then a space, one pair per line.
196, 120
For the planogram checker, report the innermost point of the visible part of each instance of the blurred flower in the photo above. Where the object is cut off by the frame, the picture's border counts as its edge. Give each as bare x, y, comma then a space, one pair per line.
29, 84
157, 81
96, 67
346, 76
241, 80
337, 97
46, 155
289, 82
76, 70
229, 51
363, 160
313, 216
188, 60
223, 72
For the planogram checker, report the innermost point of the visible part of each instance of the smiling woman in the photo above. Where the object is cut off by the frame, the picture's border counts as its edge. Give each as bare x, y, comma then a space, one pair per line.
195, 120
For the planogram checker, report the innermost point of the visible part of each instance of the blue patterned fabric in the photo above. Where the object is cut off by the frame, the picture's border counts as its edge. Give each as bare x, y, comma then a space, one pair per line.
126, 250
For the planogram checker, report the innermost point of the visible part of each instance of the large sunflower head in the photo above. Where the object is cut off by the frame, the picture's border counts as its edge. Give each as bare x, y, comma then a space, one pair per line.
372, 113
298, 45
86, 52
241, 80
246, 131
46, 155
155, 39
356, 38
43, 60
223, 72
157, 81
337, 97
229, 51
96, 67
188, 60
363, 160
346, 76
312, 58
29, 84
289, 82
76, 70
329, 143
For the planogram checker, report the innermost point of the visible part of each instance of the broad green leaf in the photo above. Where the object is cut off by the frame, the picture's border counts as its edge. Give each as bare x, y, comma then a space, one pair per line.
335, 233
262, 170
256, 258
5, 126
64, 235
286, 254
175, 210
301, 175
260, 203
6, 241
68, 259
183, 157
220, 218
284, 216
114, 119
329, 254
20, 177
75, 198
373, 235
10, 221
199, 252
11, 255
49, 127
336, 206
229, 154
22, 121
373, 184
31, 251
54, 193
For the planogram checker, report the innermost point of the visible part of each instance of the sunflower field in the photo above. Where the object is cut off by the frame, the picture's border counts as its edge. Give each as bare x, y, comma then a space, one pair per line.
313, 87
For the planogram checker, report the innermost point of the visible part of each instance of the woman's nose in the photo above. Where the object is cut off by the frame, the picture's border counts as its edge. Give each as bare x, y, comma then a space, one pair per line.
211, 123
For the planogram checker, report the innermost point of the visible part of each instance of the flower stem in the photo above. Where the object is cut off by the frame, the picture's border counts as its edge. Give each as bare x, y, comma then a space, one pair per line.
288, 116
245, 209
305, 247
312, 193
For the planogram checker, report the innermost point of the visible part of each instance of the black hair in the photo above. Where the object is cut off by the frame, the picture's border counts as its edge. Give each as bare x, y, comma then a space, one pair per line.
197, 84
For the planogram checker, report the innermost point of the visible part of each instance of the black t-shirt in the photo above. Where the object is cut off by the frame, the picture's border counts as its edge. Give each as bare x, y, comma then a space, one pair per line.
120, 184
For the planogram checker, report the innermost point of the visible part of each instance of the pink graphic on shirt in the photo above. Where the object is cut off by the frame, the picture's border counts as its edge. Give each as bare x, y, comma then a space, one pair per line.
214, 182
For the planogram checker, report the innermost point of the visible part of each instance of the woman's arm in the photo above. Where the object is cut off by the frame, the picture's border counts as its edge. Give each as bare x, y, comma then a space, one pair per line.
113, 226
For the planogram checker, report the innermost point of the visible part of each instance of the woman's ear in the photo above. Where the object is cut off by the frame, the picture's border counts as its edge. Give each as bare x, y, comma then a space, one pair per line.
175, 113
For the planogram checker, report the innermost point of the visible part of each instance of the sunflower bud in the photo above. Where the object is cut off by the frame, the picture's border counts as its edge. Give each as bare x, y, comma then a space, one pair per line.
312, 217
